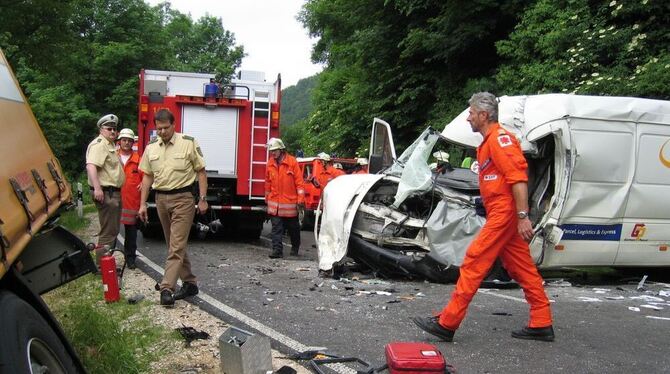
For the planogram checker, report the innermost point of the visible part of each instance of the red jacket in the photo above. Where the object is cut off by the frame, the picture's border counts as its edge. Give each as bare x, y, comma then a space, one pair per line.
130, 194
284, 187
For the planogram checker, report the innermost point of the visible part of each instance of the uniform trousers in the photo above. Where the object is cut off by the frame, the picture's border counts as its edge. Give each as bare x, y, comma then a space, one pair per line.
109, 215
498, 237
279, 224
176, 212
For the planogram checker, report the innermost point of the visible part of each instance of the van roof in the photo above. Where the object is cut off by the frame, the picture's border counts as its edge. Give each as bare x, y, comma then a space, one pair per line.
525, 116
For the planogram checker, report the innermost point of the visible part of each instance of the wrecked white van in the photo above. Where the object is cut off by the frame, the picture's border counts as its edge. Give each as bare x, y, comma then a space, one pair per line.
599, 190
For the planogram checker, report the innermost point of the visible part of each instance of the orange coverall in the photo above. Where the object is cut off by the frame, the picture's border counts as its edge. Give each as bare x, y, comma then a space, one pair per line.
501, 164
130, 195
284, 187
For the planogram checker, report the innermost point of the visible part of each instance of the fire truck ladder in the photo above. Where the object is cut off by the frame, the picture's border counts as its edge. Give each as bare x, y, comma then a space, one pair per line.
260, 134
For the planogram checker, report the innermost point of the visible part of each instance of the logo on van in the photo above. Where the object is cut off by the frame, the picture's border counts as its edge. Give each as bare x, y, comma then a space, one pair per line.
661, 156
638, 231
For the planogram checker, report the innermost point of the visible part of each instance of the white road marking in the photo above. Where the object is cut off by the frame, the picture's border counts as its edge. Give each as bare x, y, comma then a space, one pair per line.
263, 329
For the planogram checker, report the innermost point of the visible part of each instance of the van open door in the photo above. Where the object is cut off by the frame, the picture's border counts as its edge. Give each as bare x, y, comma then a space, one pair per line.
382, 149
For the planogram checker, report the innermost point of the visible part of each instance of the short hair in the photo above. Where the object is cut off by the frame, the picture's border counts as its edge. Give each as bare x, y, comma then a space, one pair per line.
486, 102
164, 115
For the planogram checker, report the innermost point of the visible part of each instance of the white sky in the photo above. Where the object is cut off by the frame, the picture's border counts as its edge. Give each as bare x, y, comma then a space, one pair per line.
274, 41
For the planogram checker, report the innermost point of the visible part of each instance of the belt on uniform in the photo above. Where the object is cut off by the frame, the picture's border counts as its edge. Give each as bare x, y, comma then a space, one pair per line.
177, 190
108, 188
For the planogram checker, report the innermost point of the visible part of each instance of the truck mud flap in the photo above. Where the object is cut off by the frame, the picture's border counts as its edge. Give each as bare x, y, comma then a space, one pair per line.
54, 257
392, 264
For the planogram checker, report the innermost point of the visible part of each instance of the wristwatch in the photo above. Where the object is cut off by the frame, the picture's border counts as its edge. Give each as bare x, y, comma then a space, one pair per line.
522, 214
203, 198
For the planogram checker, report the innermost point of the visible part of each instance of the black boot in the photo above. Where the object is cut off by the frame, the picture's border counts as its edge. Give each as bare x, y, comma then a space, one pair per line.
545, 334
167, 299
276, 255
186, 290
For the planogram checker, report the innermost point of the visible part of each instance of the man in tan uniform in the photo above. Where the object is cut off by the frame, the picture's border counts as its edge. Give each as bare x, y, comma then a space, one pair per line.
105, 177
171, 164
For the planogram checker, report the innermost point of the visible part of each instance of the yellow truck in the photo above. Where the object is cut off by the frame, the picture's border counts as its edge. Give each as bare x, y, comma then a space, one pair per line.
36, 254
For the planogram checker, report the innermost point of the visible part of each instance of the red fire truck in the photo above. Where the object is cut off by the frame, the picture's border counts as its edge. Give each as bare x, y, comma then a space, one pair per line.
232, 123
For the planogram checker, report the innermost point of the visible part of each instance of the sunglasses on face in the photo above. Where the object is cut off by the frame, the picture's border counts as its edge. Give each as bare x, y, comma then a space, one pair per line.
111, 129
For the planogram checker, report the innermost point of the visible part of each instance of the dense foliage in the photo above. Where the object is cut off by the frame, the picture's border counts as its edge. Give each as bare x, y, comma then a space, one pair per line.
79, 59
416, 62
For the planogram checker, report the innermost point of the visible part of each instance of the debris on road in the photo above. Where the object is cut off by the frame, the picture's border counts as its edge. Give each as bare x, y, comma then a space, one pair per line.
557, 283
640, 286
501, 314
654, 307
590, 299
634, 308
614, 297
190, 334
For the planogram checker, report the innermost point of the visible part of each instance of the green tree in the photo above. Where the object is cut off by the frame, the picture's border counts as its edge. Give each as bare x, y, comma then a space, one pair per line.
578, 46
406, 61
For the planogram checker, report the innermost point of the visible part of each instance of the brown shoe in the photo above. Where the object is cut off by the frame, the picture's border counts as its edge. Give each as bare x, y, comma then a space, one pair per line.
545, 334
432, 326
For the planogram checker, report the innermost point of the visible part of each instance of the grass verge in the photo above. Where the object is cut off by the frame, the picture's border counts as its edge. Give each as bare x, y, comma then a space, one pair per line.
109, 338
71, 221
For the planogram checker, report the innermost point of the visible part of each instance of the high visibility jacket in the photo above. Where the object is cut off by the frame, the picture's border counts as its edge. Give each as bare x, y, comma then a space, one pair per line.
501, 164
284, 187
130, 194
327, 174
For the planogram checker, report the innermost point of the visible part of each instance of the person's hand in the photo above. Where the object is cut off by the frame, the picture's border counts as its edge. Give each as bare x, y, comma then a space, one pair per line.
526, 229
99, 195
142, 213
202, 206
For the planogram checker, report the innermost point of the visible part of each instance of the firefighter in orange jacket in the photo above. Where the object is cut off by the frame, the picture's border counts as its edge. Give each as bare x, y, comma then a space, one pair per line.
361, 166
326, 173
130, 193
284, 196
503, 184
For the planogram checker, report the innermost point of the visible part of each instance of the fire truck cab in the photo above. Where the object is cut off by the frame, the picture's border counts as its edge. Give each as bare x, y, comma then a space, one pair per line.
232, 123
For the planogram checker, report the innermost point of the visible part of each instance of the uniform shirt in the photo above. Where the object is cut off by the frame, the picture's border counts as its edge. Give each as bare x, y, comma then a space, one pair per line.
501, 164
174, 164
102, 153
284, 187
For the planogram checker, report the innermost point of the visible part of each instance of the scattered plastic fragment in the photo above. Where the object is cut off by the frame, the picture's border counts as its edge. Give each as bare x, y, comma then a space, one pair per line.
634, 308
590, 299
664, 293
640, 286
558, 283
647, 298
135, 298
656, 317
385, 293
320, 309
654, 307
334, 287
501, 314
420, 294
286, 370
190, 334
614, 297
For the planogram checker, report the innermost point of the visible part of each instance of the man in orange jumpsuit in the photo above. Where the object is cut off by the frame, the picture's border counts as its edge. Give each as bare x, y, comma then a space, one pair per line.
504, 189
284, 195
130, 194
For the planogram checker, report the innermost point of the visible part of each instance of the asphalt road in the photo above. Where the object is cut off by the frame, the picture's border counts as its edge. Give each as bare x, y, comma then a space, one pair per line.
596, 330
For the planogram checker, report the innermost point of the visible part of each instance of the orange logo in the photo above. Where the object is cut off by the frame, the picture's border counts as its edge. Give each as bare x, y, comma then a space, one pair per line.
638, 231
661, 156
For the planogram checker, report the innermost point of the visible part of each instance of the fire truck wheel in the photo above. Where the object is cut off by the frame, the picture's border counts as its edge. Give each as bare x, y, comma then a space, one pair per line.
28, 344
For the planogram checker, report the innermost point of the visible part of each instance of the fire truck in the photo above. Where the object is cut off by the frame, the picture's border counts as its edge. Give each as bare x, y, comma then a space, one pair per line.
232, 123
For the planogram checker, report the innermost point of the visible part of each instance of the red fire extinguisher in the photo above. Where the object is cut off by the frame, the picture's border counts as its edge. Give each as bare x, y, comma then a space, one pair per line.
110, 281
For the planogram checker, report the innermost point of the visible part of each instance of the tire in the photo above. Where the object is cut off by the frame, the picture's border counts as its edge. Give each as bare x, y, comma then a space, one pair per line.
28, 344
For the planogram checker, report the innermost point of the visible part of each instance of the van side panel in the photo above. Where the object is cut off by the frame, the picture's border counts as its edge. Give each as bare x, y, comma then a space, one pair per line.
646, 227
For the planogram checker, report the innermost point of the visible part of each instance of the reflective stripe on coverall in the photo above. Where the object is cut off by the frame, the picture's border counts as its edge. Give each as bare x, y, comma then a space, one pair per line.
130, 195
501, 164
284, 187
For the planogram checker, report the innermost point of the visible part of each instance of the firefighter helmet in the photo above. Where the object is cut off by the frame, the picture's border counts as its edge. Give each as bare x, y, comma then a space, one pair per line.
275, 143
126, 133
324, 156
108, 120
362, 161
337, 165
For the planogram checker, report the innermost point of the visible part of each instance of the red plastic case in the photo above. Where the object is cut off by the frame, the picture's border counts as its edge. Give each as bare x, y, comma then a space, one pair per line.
414, 358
